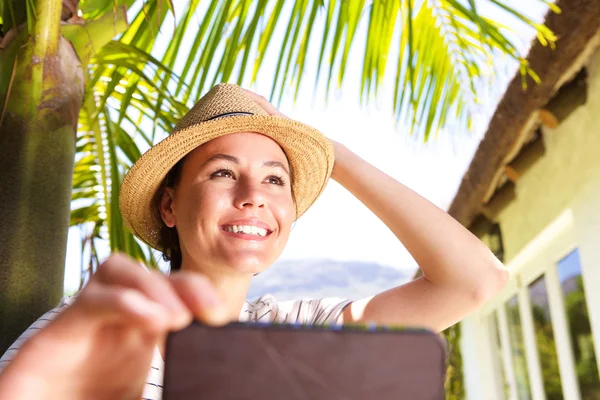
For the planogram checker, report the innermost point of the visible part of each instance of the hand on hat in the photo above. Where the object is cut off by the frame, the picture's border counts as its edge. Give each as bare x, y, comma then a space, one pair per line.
339, 149
114, 324
264, 103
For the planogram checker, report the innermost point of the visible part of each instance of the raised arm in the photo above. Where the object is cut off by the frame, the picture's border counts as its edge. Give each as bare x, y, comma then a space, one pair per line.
459, 271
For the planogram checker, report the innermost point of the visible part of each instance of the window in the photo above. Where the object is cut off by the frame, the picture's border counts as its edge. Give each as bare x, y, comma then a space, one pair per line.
569, 273
494, 324
544, 337
518, 348
542, 320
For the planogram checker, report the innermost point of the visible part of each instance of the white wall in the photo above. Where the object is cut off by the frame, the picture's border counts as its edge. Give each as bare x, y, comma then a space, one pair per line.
561, 188
554, 183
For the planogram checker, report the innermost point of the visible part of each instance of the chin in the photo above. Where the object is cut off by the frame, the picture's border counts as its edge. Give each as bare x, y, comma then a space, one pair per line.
249, 264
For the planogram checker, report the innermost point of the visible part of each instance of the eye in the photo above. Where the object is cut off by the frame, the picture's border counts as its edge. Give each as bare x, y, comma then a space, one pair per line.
276, 180
223, 173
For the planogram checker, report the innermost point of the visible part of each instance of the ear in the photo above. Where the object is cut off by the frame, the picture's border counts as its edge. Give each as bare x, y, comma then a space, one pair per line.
167, 211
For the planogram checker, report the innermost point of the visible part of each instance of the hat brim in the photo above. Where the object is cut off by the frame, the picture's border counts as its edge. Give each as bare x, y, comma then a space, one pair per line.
309, 152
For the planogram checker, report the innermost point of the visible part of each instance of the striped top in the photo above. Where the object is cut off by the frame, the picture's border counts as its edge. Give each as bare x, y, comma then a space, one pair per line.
265, 309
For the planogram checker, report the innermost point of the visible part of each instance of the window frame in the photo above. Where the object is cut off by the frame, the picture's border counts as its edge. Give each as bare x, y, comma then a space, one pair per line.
539, 257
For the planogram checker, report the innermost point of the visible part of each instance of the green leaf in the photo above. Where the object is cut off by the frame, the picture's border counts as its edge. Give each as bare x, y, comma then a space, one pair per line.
301, 58
84, 214
125, 143
298, 20
94, 9
136, 91
206, 21
91, 37
330, 13
249, 38
290, 28
230, 56
266, 36
115, 224
354, 12
214, 39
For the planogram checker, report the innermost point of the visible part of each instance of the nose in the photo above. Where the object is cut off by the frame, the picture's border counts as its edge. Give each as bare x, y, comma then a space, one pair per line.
249, 194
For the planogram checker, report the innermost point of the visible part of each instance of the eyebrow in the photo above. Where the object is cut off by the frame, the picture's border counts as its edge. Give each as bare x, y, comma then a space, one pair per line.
227, 157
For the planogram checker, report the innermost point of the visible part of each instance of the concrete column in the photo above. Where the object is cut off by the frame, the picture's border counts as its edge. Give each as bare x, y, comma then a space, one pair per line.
478, 365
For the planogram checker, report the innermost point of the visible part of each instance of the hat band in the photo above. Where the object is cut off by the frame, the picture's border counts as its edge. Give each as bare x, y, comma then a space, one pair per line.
229, 114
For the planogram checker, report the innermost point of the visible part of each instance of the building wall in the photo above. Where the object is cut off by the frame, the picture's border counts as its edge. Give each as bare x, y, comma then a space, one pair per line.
554, 183
557, 208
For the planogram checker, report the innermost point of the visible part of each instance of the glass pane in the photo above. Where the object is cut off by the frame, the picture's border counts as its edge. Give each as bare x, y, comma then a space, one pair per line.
544, 336
569, 273
498, 352
518, 348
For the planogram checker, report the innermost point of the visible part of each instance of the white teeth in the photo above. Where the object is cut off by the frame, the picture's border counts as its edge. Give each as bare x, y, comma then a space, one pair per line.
247, 229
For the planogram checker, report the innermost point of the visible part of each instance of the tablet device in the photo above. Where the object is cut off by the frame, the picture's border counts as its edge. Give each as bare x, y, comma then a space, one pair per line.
250, 361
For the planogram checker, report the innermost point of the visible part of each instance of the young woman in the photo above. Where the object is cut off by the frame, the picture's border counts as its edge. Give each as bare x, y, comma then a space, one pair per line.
218, 197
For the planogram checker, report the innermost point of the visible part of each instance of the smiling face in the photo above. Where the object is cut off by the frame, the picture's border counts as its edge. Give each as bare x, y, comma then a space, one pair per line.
232, 205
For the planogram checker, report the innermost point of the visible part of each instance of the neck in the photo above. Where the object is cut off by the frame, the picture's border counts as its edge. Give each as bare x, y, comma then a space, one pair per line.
231, 286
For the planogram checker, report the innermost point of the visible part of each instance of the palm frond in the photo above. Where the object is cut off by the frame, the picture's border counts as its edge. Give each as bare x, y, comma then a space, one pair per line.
93, 9
104, 152
439, 49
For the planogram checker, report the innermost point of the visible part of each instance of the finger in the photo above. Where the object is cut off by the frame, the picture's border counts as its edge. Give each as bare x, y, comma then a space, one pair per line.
100, 305
120, 270
107, 304
200, 297
264, 103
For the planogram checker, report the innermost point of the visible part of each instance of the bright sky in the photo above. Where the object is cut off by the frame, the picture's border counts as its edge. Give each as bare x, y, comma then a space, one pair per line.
338, 226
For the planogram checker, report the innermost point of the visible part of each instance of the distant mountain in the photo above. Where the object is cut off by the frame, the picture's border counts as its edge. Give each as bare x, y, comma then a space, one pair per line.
289, 280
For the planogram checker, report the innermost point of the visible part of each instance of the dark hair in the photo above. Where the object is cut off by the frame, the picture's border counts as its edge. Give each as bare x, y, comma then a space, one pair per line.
168, 239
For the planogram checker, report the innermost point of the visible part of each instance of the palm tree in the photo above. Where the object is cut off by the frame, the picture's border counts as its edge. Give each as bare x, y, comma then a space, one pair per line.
83, 93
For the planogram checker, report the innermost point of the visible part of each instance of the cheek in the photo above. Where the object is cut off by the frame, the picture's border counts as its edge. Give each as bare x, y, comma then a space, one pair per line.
200, 206
284, 211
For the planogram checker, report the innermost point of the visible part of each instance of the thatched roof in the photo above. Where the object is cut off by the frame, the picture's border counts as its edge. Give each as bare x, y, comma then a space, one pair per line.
516, 116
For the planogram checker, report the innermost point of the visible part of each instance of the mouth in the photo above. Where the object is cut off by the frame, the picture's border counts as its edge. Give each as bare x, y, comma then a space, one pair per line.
247, 229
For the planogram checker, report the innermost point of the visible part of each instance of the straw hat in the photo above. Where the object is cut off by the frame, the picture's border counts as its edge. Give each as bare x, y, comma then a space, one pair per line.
225, 109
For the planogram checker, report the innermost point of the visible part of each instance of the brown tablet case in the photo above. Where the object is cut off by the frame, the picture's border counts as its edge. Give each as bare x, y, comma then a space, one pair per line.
278, 362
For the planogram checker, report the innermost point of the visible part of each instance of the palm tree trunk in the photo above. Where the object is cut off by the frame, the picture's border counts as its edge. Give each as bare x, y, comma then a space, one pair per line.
41, 87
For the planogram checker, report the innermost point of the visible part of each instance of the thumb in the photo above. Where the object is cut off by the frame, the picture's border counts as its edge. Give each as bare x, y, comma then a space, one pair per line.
201, 298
